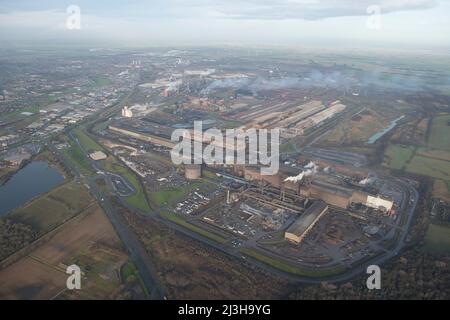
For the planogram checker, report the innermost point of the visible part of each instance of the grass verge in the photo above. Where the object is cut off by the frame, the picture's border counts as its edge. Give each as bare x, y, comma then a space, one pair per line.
182, 222
283, 266
138, 199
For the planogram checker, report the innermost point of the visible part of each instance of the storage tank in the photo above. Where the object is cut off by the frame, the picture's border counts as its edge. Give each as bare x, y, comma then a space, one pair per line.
193, 171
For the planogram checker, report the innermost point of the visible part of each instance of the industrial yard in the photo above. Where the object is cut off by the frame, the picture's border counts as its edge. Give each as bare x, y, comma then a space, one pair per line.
275, 215
286, 224
363, 215
353, 160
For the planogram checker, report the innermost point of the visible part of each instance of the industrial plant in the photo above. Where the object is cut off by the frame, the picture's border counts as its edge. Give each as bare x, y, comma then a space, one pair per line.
340, 198
323, 208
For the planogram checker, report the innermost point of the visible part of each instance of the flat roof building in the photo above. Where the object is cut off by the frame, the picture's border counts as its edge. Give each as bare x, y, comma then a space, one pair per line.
98, 155
300, 228
332, 194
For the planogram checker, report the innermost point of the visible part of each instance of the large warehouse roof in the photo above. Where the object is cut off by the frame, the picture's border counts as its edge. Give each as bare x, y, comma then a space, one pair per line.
332, 188
303, 224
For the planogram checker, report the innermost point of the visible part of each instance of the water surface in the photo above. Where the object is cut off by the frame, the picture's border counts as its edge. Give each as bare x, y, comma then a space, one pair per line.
32, 180
381, 133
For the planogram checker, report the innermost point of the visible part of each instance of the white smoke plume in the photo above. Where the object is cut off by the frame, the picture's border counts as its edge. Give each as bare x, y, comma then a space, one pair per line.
311, 165
366, 181
173, 86
311, 168
299, 177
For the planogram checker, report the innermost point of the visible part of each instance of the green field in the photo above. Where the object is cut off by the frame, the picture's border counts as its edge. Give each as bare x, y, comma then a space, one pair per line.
182, 222
53, 208
86, 142
138, 199
432, 161
287, 147
159, 158
440, 133
437, 239
171, 196
434, 154
429, 167
168, 197
75, 155
101, 81
284, 266
101, 126
210, 175
397, 156
40, 103
129, 270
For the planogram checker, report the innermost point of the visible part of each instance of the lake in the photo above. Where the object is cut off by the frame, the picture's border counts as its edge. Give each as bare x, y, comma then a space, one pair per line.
32, 180
378, 135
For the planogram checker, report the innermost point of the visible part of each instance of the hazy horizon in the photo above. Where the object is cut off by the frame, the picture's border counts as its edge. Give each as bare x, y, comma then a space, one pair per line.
403, 24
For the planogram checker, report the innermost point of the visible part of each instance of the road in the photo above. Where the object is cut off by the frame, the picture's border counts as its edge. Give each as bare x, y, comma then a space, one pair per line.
137, 253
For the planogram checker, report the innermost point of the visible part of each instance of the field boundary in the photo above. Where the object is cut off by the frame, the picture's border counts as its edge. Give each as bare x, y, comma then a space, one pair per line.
14, 257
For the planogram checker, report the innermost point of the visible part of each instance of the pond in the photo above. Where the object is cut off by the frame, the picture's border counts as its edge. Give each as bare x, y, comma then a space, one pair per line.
381, 133
34, 179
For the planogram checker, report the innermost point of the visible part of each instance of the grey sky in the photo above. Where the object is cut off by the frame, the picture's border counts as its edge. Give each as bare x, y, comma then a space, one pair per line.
419, 23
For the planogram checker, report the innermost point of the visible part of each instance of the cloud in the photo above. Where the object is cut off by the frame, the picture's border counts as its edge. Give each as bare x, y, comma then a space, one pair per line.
33, 19
229, 9
313, 9
218, 21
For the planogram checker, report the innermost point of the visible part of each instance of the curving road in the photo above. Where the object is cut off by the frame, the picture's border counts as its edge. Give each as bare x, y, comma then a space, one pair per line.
137, 252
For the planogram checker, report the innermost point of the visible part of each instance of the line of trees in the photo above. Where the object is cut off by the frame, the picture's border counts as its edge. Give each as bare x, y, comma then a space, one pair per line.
14, 236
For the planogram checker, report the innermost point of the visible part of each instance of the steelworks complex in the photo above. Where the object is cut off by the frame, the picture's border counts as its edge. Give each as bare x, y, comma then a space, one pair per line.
320, 196
320, 187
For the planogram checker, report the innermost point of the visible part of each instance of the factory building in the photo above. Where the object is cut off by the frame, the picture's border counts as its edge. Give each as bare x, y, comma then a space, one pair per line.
126, 112
312, 187
144, 137
293, 186
334, 195
300, 228
193, 171
17, 158
379, 203
253, 173
342, 197
359, 197
320, 117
